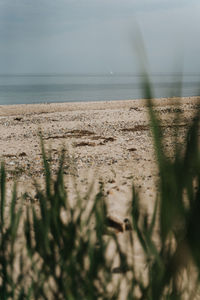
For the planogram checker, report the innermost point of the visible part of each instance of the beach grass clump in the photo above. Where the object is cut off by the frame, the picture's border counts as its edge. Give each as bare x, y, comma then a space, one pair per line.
65, 252
67, 247
170, 238
10, 282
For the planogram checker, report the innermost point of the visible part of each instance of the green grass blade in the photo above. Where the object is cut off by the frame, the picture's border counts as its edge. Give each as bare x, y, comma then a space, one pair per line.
3, 193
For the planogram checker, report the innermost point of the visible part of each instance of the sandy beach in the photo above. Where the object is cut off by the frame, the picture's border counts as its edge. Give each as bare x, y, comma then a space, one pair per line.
108, 141
105, 142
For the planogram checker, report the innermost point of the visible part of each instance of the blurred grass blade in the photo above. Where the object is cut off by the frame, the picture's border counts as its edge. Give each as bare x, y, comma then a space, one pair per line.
3, 193
46, 169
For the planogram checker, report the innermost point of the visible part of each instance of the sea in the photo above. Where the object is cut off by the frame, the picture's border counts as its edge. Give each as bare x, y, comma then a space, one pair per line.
54, 88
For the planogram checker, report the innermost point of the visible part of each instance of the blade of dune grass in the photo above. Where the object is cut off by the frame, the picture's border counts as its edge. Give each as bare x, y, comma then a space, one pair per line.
3, 193
46, 168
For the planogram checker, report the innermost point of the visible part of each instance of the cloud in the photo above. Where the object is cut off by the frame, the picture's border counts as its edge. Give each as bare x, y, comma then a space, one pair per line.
47, 35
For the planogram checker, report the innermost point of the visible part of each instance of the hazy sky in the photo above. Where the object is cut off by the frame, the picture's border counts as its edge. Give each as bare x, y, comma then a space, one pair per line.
98, 35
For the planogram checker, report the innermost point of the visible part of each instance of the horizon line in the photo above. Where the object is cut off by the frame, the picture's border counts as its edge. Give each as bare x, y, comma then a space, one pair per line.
99, 74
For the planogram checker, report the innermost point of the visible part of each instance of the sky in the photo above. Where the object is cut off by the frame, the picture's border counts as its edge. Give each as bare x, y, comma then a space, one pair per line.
99, 36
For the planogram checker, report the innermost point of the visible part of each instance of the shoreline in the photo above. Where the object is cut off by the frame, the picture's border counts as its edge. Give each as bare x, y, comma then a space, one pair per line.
14, 109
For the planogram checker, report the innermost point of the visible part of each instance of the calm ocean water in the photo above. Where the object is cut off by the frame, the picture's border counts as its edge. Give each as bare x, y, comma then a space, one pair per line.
45, 88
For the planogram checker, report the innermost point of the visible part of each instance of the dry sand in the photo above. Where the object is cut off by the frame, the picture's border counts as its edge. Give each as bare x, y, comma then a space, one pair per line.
107, 141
